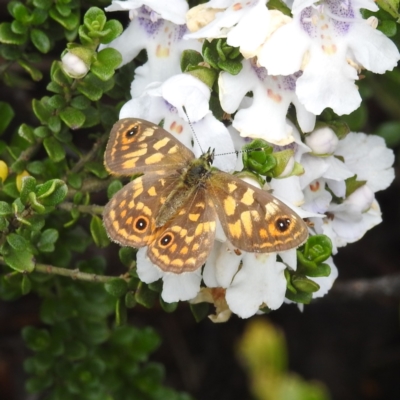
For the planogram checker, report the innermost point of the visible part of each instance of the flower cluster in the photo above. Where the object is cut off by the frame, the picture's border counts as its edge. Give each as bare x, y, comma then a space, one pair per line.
262, 62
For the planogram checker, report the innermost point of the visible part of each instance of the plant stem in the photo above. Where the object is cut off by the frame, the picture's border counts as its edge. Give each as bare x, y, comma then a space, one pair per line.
88, 209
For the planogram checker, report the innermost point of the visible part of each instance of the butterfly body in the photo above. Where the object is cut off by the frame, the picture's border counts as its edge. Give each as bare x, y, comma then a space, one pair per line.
174, 207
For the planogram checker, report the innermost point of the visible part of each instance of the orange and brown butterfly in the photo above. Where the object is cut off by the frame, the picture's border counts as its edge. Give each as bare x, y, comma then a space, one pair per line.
174, 206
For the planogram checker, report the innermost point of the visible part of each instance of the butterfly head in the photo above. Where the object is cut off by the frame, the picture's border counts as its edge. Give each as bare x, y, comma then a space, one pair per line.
208, 156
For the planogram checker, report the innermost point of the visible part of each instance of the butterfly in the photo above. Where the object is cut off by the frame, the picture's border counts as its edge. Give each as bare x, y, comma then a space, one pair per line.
174, 206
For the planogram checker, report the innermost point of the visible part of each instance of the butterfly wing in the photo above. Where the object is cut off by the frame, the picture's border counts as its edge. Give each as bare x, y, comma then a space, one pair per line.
184, 243
139, 146
129, 217
254, 220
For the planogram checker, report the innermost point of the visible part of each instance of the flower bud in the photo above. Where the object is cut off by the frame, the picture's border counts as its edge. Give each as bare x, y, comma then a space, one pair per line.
3, 170
18, 180
322, 141
362, 198
74, 66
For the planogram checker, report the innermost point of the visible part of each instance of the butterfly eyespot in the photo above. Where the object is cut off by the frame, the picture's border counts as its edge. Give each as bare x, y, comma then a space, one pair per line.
132, 131
282, 224
141, 224
166, 240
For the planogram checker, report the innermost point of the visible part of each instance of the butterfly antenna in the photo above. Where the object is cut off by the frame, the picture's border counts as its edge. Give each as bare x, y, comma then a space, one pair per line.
191, 127
237, 152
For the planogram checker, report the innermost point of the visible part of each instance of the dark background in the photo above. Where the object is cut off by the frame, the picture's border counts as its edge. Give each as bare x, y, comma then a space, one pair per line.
350, 344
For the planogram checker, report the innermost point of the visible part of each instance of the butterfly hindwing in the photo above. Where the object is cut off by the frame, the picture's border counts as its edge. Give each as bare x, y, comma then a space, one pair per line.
254, 220
184, 243
138, 146
130, 216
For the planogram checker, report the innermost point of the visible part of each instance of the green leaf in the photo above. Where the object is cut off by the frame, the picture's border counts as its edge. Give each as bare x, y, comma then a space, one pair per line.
127, 255
42, 132
54, 123
96, 168
390, 131
40, 40
74, 180
28, 185
5, 209
54, 149
168, 307
300, 297
75, 350
98, 232
39, 17
352, 184
145, 296
80, 103
10, 189
36, 167
316, 250
304, 284
26, 132
7, 36
39, 383
388, 28
17, 242
6, 116
35, 74
47, 240
70, 22
107, 61
190, 58
94, 19
390, 6
89, 88
41, 110
113, 188
3, 223
52, 192
57, 101
200, 311
206, 75
43, 4
112, 29
72, 117
20, 260
230, 66
26, 284
130, 300
36, 339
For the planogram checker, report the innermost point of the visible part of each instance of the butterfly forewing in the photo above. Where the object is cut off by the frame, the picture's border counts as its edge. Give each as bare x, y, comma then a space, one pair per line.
254, 220
173, 208
184, 243
130, 215
136, 146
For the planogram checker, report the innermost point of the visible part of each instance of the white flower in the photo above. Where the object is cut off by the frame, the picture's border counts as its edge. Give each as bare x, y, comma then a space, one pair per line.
165, 102
368, 157
365, 156
266, 116
176, 287
329, 41
245, 24
158, 27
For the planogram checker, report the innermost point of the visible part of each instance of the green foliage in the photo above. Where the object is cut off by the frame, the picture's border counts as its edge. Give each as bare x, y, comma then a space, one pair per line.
310, 258
47, 181
263, 353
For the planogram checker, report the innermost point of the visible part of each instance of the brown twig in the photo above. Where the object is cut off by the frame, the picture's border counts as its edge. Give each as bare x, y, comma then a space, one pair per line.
72, 273
385, 286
